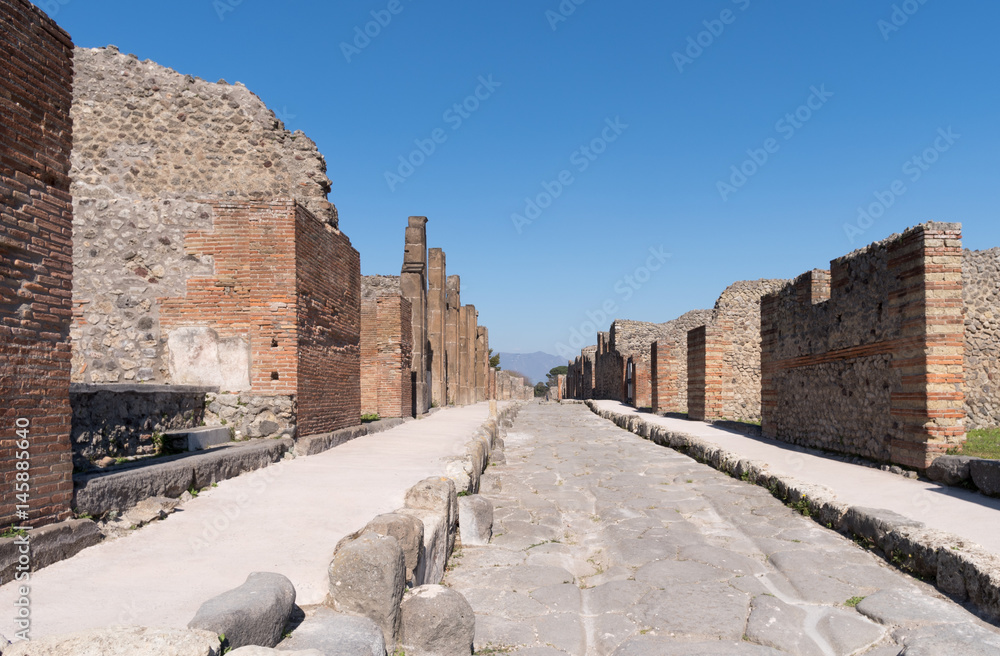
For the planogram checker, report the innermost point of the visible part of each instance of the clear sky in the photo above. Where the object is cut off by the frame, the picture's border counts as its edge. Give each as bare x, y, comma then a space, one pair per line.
622, 122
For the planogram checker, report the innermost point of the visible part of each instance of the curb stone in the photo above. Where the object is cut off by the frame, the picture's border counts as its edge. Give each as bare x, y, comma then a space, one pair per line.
959, 568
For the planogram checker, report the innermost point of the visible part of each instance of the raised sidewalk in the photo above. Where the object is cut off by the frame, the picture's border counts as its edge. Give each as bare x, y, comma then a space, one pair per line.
286, 518
956, 510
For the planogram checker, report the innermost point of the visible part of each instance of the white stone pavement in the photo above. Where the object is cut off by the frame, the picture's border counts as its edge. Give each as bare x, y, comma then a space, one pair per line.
286, 518
964, 513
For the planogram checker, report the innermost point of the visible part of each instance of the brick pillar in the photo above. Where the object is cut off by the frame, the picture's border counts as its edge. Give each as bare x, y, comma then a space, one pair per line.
369, 356
413, 285
482, 362
467, 355
929, 411
665, 391
453, 360
36, 263
706, 373
437, 310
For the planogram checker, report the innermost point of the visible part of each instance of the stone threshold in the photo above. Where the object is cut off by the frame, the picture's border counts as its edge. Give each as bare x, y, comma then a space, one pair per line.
958, 567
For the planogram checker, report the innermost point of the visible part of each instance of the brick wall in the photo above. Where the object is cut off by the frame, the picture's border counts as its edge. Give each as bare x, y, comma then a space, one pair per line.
734, 356
279, 318
328, 292
668, 378
707, 390
868, 359
150, 144
386, 356
35, 260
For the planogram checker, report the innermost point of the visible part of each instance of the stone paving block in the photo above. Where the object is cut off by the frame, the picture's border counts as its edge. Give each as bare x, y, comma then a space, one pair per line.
336, 634
253, 614
125, 641
475, 519
903, 607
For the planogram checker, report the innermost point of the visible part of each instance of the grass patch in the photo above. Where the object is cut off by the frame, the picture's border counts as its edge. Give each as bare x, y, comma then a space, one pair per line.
370, 417
981, 444
853, 602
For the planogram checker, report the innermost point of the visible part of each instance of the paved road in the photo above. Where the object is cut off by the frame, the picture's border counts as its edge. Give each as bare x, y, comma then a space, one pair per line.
608, 544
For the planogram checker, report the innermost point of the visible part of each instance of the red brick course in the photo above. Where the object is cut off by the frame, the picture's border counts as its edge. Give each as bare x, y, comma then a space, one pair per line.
386, 357
36, 269
292, 285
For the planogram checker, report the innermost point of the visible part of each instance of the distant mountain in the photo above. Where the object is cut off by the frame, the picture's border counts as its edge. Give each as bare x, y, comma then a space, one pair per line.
532, 365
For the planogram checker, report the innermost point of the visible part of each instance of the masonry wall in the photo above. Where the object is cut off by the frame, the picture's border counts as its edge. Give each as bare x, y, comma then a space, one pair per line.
981, 293
609, 371
732, 363
36, 262
386, 352
150, 145
868, 358
707, 388
328, 297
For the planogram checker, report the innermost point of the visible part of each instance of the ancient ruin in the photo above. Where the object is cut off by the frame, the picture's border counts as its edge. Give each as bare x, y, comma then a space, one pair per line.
890, 355
386, 349
723, 368
37, 265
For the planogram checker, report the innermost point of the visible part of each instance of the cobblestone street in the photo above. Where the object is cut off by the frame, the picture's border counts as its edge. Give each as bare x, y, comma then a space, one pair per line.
608, 544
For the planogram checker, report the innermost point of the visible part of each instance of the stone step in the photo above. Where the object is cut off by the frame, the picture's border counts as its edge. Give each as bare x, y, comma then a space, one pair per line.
197, 439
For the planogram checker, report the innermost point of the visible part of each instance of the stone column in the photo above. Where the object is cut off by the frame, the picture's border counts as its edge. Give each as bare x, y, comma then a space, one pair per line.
413, 285
452, 339
466, 340
482, 362
437, 309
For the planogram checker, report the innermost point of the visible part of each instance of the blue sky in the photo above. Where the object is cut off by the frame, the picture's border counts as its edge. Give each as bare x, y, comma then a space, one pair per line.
666, 98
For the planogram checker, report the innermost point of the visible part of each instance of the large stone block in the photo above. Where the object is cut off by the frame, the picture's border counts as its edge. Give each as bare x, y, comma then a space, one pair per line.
986, 476
437, 621
367, 578
408, 531
435, 556
436, 494
253, 614
126, 641
334, 634
475, 519
950, 470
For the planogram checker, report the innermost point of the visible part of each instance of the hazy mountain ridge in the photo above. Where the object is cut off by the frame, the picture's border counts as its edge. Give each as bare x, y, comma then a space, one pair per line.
533, 365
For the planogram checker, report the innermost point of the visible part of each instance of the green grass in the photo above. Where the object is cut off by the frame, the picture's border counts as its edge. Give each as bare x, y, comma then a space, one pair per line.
981, 444
372, 416
853, 601
13, 532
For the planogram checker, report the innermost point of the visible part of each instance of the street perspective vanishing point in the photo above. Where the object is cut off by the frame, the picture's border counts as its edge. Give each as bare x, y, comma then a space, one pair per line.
227, 429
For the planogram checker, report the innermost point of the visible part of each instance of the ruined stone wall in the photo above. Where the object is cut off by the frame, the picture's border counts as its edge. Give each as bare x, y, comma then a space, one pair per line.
707, 391
328, 305
386, 354
437, 313
609, 371
453, 338
36, 86
981, 290
125, 420
588, 356
373, 287
733, 365
149, 146
867, 359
